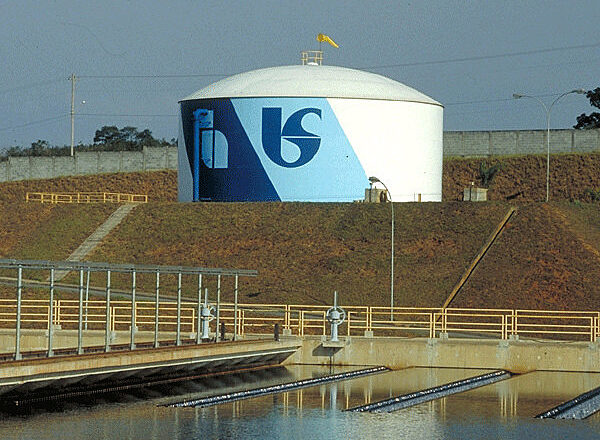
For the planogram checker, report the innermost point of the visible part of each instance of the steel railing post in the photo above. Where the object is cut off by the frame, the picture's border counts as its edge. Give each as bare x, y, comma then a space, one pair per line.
199, 312
133, 326
218, 311
51, 315
108, 315
349, 314
235, 308
156, 305
178, 336
80, 315
432, 325
18, 321
87, 298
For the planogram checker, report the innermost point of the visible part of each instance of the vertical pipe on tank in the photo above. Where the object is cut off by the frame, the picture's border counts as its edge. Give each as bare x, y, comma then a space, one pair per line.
196, 157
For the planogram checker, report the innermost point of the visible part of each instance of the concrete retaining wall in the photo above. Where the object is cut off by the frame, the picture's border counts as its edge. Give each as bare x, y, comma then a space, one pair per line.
97, 162
505, 143
456, 144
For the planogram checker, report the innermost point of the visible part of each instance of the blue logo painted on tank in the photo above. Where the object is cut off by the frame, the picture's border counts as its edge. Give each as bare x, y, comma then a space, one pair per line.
292, 131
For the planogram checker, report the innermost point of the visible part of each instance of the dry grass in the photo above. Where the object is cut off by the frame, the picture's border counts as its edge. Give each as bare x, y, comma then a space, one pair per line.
158, 185
304, 251
570, 176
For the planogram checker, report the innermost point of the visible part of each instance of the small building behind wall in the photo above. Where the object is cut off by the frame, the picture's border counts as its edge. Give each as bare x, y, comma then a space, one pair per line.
309, 133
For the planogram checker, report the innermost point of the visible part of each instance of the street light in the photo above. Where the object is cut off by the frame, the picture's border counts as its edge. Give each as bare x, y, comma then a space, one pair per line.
376, 180
548, 110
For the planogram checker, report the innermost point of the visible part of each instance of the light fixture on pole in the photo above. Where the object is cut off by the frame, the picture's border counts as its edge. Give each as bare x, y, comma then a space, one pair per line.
548, 110
376, 180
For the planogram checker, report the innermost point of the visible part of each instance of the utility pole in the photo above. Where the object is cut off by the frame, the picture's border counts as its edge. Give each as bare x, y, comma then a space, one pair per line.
72, 78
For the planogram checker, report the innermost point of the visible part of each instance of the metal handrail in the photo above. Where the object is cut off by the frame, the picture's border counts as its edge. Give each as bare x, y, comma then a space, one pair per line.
302, 320
85, 197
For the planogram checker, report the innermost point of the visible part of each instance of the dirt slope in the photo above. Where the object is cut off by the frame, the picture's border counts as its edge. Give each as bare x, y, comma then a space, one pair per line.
305, 251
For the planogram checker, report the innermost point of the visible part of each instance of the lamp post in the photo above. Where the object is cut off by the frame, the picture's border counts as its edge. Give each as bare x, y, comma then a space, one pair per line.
548, 110
376, 180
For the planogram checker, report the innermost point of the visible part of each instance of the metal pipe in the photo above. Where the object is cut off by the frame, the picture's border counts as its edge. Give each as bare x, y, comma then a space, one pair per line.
87, 298
199, 313
178, 337
51, 315
156, 304
80, 315
107, 327
18, 356
376, 180
235, 309
133, 327
218, 311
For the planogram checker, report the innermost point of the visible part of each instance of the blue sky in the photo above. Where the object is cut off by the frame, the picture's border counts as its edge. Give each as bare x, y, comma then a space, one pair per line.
136, 59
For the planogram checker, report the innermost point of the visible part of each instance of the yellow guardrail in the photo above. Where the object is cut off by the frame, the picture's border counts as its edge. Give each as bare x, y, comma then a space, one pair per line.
305, 320
85, 197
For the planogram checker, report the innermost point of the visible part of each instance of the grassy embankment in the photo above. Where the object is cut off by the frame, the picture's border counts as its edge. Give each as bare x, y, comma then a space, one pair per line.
546, 258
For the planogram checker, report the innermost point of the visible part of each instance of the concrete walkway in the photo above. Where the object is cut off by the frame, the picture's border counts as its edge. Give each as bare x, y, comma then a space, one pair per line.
97, 236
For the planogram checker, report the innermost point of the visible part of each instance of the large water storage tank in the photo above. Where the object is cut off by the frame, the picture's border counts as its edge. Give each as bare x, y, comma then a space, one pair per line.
309, 133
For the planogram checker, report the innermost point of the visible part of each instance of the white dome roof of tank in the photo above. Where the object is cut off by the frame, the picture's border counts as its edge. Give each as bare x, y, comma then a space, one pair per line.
311, 81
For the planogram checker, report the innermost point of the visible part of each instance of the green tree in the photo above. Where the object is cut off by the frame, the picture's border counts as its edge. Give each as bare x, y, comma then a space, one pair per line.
107, 135
592, 120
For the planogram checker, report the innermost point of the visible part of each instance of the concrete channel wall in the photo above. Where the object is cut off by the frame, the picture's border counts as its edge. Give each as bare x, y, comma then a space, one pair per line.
516, 356
97, 162
456, 144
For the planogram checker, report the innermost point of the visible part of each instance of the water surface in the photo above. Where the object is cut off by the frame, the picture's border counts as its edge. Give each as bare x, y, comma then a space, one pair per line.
504, 410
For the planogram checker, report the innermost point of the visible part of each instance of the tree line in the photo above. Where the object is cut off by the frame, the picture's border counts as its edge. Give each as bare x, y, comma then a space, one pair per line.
107, 138
585, 121
112, 138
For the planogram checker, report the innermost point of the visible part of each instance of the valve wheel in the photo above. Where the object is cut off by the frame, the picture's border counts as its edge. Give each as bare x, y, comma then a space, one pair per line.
341, 311
211, 316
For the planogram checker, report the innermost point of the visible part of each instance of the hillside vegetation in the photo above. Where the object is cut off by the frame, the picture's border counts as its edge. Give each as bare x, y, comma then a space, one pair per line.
523, 178
547, 257
158, 185
305, 251
43, 231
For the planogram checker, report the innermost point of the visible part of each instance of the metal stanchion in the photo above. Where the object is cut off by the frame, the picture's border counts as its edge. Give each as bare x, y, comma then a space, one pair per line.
18, 356
51, 315
218, 307
107, 328
199, 312
156, 304
80, 315
87, 299
235, 309
133, 327
178, 337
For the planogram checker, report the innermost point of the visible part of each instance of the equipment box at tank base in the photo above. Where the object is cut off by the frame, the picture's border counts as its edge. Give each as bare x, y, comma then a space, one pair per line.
474, 194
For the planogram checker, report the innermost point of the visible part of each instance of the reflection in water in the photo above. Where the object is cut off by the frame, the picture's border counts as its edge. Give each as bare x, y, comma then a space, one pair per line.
502, 410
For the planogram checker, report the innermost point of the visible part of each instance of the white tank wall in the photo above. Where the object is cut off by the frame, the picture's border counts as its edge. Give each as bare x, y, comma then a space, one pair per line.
309, 133
398, 142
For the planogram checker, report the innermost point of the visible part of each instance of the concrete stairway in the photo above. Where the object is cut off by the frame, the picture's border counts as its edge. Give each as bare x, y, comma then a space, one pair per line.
97, 236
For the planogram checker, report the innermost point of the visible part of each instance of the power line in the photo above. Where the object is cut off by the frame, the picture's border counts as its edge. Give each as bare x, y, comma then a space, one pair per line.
41, 121
128, 115
202, 75
31, 85
485, 101
484, 57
